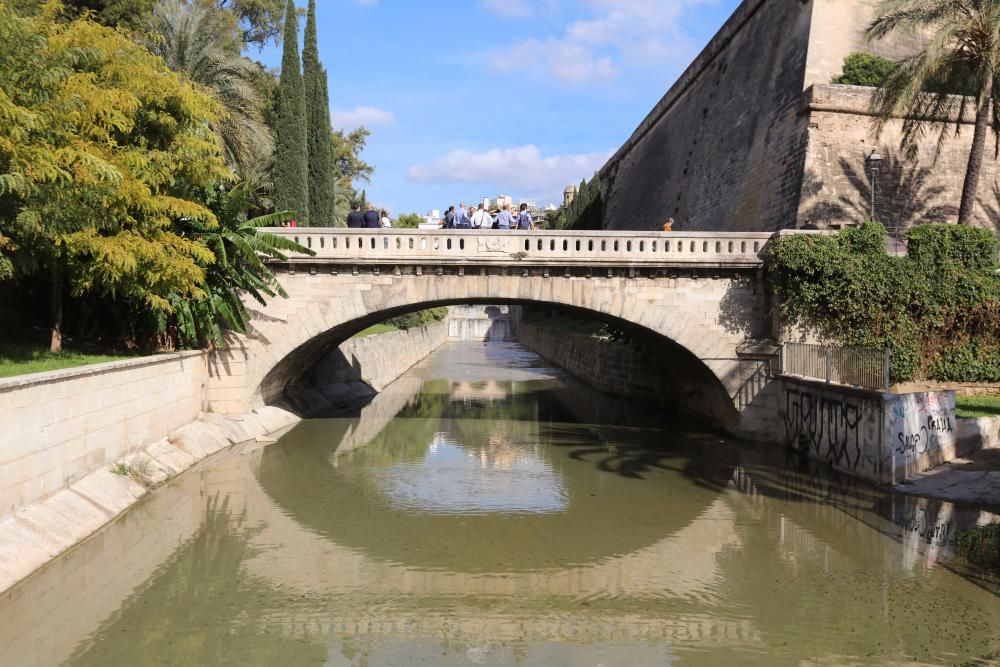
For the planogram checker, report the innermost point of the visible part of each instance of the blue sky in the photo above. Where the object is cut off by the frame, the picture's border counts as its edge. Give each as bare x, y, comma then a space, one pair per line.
472, 98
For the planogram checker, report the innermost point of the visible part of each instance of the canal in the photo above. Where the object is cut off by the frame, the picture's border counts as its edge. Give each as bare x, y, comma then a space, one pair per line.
487, 510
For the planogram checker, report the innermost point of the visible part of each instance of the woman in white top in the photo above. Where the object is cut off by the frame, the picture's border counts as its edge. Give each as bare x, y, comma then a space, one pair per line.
386, 222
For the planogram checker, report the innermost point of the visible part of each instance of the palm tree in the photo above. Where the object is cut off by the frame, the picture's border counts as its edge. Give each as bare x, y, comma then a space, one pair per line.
189, 42
962, 54
239, 246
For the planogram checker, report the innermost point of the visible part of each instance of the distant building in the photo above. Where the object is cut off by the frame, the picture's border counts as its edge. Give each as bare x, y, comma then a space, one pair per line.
569, 194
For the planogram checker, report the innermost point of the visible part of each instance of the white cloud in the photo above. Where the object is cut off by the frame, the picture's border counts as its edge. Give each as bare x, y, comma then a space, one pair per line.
367, 116
510, 8
594, 49
523, 169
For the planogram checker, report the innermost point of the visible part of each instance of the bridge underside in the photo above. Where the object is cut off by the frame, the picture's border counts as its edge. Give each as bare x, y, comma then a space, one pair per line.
695, 320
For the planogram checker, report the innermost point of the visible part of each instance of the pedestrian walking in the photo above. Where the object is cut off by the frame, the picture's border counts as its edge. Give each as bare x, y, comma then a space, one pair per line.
356, 219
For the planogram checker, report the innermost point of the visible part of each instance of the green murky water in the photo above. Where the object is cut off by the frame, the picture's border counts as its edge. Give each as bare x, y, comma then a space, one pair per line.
486, 511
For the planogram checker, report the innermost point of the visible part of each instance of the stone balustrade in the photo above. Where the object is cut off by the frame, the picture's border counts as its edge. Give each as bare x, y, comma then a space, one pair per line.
596, 249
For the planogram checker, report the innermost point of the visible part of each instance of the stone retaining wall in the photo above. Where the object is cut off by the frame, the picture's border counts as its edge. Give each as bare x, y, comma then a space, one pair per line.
62, 425
624, 370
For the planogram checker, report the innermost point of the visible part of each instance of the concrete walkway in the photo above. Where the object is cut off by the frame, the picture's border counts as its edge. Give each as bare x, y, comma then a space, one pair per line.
973, 479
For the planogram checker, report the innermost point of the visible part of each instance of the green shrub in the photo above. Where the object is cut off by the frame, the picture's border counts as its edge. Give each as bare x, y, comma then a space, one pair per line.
864, 69
418, 319
937, 310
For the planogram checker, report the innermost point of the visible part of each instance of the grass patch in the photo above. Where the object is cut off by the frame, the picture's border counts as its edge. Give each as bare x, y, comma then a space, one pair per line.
977, 406
380, 328
19, 358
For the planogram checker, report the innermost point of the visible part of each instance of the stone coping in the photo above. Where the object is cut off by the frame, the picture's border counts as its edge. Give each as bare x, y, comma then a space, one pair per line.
541, 233
46, 377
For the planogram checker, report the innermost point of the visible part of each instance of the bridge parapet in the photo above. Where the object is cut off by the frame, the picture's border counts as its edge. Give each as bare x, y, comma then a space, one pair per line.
592, 249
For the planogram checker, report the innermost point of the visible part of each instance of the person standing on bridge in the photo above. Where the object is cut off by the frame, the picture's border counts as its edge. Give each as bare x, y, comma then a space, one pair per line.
505, 220
449, 218
372, 220
524, 219
668, 226
461, 220
355, 219
482, 219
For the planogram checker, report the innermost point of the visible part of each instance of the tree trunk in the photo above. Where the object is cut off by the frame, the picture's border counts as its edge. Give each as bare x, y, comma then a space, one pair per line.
971, 187
56, 303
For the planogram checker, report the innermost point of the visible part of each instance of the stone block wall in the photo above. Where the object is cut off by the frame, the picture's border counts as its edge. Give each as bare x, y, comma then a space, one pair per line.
624, 370
723, 149
836, 184
62, 425
380, 359
753, 136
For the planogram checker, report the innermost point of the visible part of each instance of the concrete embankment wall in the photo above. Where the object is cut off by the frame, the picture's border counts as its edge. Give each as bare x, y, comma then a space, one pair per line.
363, 367
624, 370
60, 426
66, 430
884, 438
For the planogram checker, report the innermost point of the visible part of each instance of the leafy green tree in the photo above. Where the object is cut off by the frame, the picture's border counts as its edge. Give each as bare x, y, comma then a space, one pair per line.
963, 44
364, 200
259, 21
187, 38
291, 158
102, 150
347, 163
409, 220
865, 69
238, 245
322, 182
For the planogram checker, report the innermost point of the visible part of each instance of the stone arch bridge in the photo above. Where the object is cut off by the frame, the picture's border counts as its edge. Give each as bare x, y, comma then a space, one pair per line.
698, 301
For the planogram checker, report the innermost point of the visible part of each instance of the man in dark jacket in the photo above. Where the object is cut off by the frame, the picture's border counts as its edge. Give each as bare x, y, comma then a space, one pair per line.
355, 219
372, 220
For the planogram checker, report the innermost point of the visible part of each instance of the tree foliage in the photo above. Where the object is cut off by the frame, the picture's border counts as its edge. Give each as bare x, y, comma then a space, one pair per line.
238, 245
322, 181
259, 21
865, 69
409, 220
963, 46
102, 149
187, 38
291, 159
937, 310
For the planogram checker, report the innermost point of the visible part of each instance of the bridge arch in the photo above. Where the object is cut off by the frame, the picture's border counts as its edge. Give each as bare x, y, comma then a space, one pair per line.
694, 323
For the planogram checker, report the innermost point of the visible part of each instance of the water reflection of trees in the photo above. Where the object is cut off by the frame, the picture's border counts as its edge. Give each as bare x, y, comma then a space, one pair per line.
202, 609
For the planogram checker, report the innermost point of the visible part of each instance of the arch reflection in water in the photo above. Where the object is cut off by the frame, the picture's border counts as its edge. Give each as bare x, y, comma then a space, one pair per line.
500, 477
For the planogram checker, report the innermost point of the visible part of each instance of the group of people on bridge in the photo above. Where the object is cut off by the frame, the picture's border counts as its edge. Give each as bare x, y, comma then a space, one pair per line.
478, 217
370, 219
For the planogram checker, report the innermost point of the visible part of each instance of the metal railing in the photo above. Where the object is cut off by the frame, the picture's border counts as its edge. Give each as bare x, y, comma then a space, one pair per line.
853, 366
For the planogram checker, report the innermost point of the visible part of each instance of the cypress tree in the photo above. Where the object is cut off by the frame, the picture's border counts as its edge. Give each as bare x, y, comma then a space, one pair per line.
596, 213
320, 138
291, 154
364, 201
580, 204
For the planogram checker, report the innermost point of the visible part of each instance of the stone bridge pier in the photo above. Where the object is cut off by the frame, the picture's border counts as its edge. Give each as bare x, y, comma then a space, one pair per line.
697, 300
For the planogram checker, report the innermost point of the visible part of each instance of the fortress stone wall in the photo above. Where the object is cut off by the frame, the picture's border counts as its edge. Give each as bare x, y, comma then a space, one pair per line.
753, 137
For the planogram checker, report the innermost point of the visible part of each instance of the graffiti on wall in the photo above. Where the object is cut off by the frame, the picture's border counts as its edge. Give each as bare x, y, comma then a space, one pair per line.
830, 425
921, 430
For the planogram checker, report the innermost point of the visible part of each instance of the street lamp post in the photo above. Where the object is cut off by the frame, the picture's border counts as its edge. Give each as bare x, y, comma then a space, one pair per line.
872, 161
